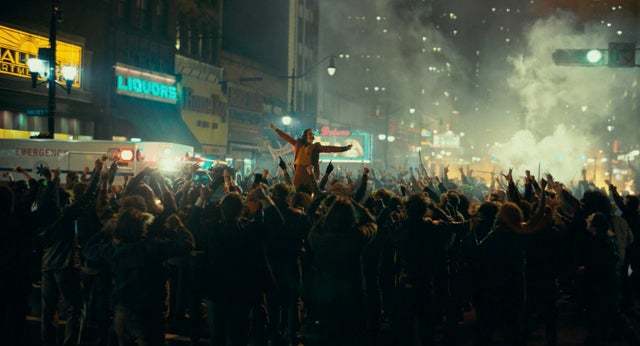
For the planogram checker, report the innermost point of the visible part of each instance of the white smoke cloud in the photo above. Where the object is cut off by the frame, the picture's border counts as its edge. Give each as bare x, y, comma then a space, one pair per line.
566, 108
561, 153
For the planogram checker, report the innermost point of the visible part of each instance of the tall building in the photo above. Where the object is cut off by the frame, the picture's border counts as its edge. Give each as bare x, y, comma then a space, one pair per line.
270, 60
198, 46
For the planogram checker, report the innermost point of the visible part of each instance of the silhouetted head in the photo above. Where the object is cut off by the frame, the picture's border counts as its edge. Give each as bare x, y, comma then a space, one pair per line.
231, 207
341, 216
7, 200
487, 212
598, 223
596, 201
416, 206
510, 215
280, 193
131, 226
632, 202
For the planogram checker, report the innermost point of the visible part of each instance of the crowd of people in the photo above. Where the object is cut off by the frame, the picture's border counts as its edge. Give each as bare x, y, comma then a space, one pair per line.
376, 259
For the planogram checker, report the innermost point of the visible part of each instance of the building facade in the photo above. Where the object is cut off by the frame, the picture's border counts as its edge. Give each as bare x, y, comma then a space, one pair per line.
270, 61
127, 86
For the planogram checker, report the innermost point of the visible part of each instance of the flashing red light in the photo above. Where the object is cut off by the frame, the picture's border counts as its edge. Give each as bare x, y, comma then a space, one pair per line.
126, 155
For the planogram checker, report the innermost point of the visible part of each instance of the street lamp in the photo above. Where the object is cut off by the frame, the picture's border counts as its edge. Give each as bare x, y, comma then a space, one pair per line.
40, 68
382, 136
331, 69
391, 139
69, 74
286, 120
45, 66
412, 110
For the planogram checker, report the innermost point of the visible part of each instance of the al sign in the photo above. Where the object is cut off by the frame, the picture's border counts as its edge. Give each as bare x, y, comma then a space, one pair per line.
16, 47
134, 82
361, 145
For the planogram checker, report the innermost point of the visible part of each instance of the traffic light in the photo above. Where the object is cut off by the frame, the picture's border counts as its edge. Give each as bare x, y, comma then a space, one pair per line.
579, 57
622, 54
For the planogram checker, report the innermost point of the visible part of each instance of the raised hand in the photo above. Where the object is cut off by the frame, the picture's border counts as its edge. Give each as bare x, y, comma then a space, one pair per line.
329, 168
349, 147
365, 170
273, 127
282, 164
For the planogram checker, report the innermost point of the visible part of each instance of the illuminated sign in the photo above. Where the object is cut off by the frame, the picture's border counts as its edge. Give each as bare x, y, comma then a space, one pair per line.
448, 140
16, 47
360, 151
326, 131
144, 84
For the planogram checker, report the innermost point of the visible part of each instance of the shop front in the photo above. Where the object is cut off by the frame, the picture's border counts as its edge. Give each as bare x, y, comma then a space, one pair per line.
203, 106
146, 106
23, 108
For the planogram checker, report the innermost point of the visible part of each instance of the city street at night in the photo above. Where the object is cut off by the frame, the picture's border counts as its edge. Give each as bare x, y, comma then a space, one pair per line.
320, 173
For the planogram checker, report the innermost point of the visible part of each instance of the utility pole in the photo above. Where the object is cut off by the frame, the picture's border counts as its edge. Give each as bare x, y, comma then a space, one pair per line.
51, 120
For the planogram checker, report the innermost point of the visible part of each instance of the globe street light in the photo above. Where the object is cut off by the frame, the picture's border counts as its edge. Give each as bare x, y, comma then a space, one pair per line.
69, 74
382, 136
331, 69
391, 139
412, 110
286, 120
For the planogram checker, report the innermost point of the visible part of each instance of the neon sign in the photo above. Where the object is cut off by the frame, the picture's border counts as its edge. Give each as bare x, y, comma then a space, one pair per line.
326, 131
143, 84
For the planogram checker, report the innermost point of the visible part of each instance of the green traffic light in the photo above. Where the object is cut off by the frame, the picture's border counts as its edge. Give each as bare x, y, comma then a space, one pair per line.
594, 56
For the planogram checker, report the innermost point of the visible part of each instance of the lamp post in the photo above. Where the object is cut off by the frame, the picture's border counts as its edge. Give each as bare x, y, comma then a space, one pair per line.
331, 71
45, 65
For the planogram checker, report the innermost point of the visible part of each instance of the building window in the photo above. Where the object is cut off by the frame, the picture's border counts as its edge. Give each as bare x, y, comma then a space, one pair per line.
122, 8
204, 124
142, 9
189, 46
160, 19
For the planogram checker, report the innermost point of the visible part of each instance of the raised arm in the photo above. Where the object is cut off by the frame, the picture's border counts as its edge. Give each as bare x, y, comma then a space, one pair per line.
283, 167
333, 148
283, 135
616, 196
362, 188
325, 177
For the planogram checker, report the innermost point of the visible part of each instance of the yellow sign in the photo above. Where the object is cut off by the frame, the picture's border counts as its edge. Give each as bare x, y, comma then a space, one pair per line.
16, 47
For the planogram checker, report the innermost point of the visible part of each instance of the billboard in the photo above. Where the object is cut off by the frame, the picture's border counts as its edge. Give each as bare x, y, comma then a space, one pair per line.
361, 141
16, 47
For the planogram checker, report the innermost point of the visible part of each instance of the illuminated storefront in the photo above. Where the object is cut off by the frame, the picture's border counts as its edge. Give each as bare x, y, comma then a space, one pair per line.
361, 151
147, 106
16, 47
203, 106
23, 109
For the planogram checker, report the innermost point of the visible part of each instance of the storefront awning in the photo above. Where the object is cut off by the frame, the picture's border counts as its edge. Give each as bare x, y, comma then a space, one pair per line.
159, 127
